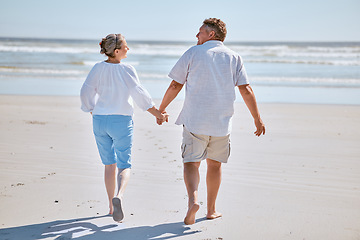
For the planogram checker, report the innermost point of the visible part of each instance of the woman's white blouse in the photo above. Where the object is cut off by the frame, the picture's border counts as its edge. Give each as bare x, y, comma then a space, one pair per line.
108, 88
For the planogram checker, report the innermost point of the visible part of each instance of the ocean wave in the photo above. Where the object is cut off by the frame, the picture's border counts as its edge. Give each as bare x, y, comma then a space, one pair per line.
294, 47
178, 50
260, 80
47, 49
352, 52
337, 54
142, 49
15, 72
84, 63
308, 61
316, 81
158, 51
152, 76
92, 63
40, 71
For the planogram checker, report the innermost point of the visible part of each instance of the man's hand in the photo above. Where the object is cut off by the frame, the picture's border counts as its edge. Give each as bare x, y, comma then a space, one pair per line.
165, 118
250, 101
260, 127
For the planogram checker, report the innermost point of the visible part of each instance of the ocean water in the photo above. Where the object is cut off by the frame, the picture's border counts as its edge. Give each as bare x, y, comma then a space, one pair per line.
285, 72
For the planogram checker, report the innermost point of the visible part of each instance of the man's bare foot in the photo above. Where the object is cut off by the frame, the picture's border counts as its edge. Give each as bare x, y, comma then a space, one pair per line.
213, 215
190, 216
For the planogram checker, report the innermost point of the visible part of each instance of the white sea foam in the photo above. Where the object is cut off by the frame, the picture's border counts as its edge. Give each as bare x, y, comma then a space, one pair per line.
337, 62
316, 81
348, 82
301, 54
92, 63
280, 53
40, 71
158, 49
85, 63
268, 64
39, 49
152, 76
137, 49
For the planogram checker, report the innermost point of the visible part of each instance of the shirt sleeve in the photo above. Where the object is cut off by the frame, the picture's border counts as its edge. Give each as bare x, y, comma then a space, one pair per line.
180, 70
88, 90
241, 76
138, 93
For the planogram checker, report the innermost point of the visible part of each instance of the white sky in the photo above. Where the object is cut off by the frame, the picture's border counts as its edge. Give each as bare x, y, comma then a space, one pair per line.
252, 20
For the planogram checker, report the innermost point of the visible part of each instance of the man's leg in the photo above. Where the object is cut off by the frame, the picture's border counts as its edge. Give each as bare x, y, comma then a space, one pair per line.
192, 179
213, 180
110, 183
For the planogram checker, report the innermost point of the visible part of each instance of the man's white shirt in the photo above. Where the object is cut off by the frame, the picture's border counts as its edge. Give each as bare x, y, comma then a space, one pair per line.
211, 71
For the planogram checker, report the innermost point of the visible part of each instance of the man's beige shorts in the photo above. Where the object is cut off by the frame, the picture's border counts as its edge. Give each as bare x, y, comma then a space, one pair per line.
196, 147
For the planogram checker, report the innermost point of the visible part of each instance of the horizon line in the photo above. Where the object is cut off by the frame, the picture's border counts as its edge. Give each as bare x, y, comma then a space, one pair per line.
182, 41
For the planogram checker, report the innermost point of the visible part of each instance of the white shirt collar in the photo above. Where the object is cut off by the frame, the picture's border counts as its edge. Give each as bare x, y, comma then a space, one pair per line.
214, 42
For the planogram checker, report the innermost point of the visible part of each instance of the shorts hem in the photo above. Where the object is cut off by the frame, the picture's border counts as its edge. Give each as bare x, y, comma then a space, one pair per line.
200, 160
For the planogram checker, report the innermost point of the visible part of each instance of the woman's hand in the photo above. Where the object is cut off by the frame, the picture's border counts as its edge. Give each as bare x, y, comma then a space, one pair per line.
164, 118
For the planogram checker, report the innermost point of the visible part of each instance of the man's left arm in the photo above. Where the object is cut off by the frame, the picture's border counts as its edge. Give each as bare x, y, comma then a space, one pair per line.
250, 101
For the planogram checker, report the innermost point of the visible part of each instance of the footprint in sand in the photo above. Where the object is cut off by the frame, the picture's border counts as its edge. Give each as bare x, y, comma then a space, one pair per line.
35, 122
49, 174
18, 184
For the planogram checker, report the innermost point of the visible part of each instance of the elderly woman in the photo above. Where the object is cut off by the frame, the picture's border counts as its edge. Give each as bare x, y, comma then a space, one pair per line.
105, 94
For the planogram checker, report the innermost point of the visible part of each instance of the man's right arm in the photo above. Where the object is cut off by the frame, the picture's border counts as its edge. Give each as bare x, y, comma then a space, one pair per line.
170, 95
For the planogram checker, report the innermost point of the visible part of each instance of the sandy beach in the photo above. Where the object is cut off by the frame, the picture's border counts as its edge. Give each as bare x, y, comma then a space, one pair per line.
299, 181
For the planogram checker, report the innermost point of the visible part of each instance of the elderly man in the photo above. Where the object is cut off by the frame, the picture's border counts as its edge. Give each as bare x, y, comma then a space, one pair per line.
211, 72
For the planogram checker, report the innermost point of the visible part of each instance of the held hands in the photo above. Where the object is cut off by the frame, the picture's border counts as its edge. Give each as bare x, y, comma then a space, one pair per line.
160, 116
164, 117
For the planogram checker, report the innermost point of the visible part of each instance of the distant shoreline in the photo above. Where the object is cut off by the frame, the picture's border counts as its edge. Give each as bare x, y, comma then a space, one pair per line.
190, 42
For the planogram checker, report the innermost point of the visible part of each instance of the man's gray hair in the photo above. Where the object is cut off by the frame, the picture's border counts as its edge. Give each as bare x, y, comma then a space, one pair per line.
218, 26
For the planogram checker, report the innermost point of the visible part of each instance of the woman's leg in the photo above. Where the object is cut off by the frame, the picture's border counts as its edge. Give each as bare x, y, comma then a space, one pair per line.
123, 177
105, 146
110, 183
121, 131
122, 135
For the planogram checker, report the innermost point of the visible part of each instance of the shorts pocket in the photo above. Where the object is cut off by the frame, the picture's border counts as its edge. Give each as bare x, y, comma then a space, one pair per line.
183, 148
187, 151
229, 148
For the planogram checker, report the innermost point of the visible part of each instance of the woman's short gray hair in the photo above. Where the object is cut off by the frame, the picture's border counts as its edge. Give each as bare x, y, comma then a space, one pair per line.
110, 43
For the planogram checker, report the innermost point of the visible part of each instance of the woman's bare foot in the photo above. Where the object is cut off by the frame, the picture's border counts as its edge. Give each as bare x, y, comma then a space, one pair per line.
111, 208
213, 215
118, 213
190, 216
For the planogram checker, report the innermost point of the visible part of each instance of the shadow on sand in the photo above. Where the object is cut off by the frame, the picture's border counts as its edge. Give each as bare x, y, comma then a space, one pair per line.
85, 228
